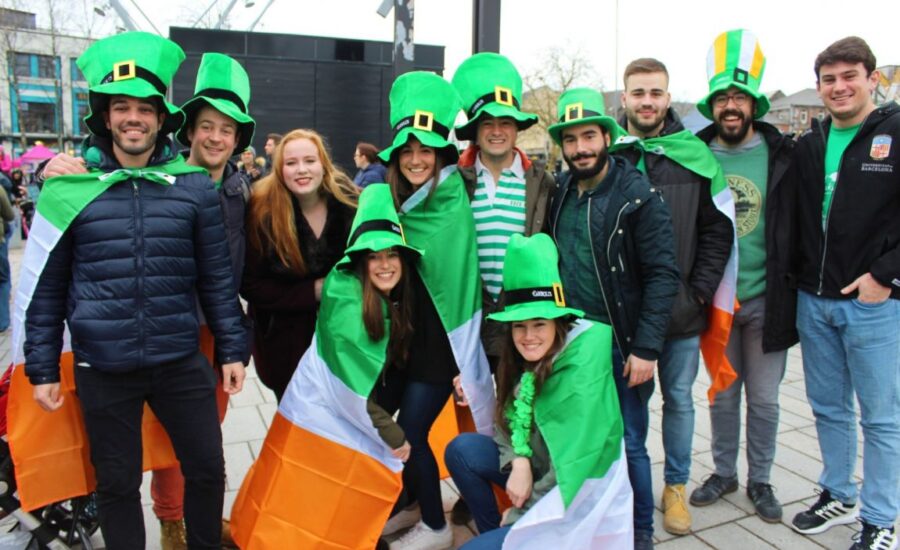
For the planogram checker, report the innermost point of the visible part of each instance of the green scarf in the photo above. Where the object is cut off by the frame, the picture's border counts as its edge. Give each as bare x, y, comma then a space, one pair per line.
61, 201
682, 147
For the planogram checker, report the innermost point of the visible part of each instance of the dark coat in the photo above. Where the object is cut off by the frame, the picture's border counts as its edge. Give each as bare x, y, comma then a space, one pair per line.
779, 329
703, 235
373, 173
283, 303
862, 233
126, 276
634, 251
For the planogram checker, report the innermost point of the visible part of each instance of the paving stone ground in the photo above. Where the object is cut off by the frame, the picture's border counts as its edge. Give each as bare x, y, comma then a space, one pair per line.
727, 525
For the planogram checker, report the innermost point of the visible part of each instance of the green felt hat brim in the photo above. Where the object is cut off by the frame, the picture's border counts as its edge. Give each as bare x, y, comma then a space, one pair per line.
606, 122
533, 310
134, 87
246, 124
762, 102
426, 138
468, 130
373, 241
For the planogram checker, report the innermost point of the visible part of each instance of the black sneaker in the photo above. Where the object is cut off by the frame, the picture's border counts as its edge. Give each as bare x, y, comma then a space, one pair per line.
643, 541
714, 486
874, 538
824, 514
767, 506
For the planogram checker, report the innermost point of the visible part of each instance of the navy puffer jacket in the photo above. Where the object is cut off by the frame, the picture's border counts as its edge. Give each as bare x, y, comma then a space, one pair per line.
127, 275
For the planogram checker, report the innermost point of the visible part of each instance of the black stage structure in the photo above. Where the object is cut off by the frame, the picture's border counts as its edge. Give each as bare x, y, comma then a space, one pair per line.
336, 86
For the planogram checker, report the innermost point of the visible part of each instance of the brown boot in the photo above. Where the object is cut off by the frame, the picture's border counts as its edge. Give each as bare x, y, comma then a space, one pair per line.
172, 535
676, 517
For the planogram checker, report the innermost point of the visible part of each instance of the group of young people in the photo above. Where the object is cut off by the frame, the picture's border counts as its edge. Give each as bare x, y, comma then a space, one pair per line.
545, 307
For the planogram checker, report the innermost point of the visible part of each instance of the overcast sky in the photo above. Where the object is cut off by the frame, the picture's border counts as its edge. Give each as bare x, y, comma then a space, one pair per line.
791, 32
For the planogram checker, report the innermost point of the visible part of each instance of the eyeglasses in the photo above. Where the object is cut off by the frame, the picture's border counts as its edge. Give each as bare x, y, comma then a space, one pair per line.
740, 99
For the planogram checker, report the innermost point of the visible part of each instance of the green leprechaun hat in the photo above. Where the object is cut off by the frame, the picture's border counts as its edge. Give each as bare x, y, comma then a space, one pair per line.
735, 59
489, 84
532, 288
376, 225
423, 105
582, 106
136, 64
223, 84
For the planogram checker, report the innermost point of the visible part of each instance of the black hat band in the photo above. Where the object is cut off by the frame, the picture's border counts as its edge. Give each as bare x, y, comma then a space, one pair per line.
127, 71
536, 294
227, 95
376, 225
579, 114
503, 96
422, 120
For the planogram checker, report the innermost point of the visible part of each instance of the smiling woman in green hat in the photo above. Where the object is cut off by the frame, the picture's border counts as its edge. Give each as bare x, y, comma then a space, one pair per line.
337, 392
557, 449
434, 208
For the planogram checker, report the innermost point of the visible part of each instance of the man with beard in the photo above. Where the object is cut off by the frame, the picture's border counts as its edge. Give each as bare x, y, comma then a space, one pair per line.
848, 304
617, 264
755, 157
133, 242
681, 167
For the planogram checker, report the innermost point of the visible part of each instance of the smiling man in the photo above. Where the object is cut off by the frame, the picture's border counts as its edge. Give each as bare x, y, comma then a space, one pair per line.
509, 192
138, 247
848, 310
678, 165
755, 157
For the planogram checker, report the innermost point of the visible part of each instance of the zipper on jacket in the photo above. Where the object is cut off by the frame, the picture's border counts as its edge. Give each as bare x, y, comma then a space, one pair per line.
833, 192
599, 281
139, 257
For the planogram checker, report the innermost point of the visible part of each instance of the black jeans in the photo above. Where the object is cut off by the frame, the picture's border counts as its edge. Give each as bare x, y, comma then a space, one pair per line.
420, 404
182, 395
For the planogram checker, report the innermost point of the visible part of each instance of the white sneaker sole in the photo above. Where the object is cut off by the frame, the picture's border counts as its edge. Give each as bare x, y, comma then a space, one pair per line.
839, 520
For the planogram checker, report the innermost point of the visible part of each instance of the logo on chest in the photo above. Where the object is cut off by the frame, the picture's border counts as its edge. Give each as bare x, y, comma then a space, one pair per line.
881, 147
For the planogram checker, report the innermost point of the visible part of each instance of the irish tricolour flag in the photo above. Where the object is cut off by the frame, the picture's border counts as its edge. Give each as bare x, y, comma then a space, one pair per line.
439, 222
44, 444
577, 414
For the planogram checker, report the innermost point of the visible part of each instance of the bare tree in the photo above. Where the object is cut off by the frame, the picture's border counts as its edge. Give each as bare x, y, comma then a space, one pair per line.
10, 43
557, 71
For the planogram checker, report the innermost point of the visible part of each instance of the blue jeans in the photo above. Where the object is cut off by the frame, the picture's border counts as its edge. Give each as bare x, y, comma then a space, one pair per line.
492, 540
678, 366
634, 404
848, 347
420, 404
474, 463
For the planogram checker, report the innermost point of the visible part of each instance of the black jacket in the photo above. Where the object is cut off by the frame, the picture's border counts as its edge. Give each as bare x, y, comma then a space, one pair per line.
779, 329
634, 255
862, 232
703, 235
126, 276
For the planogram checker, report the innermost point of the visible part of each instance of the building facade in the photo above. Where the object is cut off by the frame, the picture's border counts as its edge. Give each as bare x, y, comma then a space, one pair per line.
43, 95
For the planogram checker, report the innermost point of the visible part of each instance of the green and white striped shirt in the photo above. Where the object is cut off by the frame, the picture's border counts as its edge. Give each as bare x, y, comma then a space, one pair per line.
499, 211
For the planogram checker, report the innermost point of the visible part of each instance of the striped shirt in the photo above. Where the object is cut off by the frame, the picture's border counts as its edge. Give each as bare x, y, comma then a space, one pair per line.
499, 211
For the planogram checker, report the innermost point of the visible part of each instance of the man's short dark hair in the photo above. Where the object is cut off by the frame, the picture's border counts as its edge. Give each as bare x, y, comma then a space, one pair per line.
276, 138
852, 49
645, 65
368, 150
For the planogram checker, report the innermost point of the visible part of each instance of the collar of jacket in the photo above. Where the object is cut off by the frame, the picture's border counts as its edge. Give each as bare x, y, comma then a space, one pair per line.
467, 158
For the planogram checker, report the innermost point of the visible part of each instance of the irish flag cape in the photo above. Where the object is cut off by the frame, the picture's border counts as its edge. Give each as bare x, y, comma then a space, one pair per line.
44, 444
443, 227
577, 414
324, 479
687, 150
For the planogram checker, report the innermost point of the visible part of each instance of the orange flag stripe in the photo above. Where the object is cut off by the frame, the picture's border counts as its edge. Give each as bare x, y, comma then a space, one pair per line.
713, 342
305, 491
